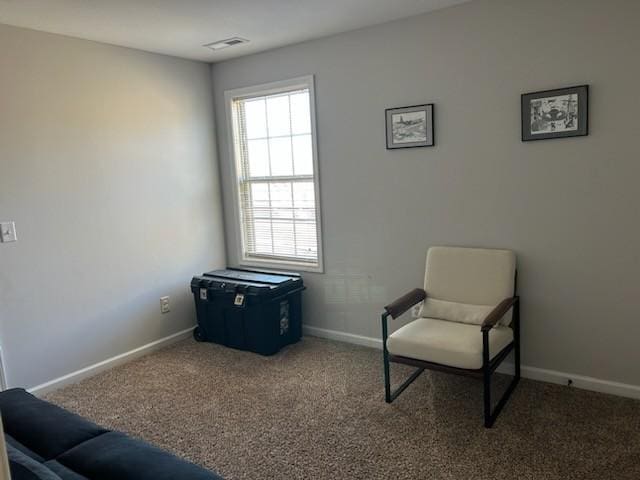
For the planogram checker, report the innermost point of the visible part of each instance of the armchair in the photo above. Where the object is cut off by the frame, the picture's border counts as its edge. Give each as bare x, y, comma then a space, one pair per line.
469, 321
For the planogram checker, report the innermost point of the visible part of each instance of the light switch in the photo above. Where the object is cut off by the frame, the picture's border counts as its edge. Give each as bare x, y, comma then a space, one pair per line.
8, 232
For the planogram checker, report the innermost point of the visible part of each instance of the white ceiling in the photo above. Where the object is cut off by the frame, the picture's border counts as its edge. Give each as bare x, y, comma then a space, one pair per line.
181, 27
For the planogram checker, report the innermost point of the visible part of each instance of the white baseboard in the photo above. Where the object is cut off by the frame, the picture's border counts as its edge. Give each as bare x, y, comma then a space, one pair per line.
342, 336
578, 381
532, 373
109, 363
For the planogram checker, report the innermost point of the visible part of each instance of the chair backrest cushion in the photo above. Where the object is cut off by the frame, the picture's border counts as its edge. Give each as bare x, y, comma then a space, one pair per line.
464, 284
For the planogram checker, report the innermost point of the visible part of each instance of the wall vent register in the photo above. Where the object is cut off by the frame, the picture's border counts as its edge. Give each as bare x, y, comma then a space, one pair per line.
229, 42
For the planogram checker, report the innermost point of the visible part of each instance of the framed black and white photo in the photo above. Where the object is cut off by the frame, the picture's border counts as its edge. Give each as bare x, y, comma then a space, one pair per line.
409, 127
559, 113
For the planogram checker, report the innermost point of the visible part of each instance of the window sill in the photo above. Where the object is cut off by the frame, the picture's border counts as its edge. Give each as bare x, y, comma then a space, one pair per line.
281, 265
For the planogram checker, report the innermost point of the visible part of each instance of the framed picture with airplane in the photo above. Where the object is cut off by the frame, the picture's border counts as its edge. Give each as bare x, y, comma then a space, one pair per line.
409, 127
559, 113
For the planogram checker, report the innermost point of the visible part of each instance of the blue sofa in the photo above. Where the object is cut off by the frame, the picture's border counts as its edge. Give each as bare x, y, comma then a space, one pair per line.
46, 442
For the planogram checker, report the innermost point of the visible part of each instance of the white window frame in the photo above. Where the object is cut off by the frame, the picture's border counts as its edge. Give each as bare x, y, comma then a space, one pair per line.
305, 82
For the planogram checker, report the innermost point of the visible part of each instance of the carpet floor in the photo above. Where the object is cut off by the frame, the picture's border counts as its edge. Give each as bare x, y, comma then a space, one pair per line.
316, 411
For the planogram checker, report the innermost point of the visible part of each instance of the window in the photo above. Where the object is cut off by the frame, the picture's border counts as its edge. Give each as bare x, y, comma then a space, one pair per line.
273, 139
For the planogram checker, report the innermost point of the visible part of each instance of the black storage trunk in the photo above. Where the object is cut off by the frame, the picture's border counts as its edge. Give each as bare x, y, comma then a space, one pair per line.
248, 309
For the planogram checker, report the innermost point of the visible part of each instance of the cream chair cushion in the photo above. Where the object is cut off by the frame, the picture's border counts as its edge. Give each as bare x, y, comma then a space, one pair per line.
477, 278
454, 311
447, 343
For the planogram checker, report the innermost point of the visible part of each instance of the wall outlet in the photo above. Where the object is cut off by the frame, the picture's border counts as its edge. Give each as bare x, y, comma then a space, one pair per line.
8, 232
164, 305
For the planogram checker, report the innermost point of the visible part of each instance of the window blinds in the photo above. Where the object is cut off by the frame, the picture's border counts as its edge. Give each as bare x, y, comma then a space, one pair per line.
276, 178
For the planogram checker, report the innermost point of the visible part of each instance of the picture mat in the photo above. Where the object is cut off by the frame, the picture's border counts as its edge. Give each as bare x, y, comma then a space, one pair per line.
409, 127
556, 114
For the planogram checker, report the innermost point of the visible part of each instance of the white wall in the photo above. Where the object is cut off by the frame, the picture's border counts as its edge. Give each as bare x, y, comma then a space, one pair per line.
569, 207
108, 167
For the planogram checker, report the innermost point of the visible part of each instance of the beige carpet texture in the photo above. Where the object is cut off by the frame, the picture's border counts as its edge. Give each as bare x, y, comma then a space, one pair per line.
316, 410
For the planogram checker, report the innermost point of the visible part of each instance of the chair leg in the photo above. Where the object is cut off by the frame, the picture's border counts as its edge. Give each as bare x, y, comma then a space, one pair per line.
489, 416
387, 377
486, 380
385, 359
396, 393
390, 396
516, 336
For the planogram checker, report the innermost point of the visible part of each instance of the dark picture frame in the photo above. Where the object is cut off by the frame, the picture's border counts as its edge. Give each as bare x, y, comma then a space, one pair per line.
410, 127
557, 113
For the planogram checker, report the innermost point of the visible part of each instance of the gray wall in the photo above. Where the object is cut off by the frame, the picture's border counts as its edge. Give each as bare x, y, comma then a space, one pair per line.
108, 167
569, 207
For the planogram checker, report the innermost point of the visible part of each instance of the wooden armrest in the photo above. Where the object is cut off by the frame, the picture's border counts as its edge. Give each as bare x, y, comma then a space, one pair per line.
497, 313
405, 302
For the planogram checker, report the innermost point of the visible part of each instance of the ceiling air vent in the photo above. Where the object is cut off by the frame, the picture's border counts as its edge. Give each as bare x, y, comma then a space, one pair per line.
229, 42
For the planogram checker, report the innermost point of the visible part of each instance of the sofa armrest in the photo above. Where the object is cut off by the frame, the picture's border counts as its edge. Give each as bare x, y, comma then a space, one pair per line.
115, 455
405, 302
42, 427
498, 312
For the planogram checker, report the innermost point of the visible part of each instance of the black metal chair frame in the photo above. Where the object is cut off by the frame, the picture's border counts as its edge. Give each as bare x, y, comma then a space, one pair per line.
489, 365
